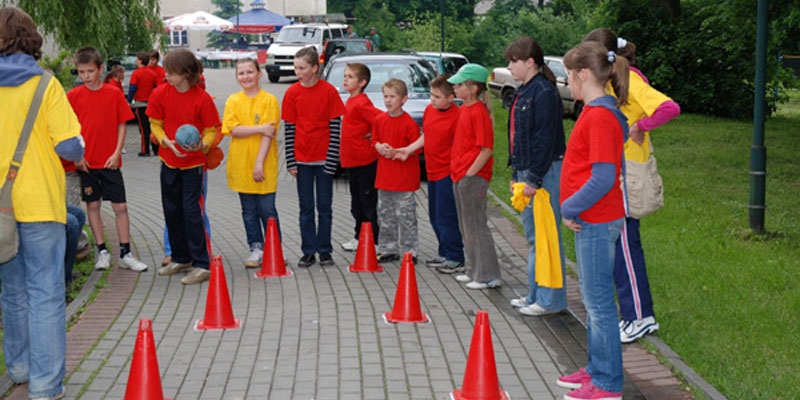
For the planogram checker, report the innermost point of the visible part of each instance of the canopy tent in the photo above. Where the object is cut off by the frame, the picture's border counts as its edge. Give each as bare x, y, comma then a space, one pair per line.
258, 20
198, 20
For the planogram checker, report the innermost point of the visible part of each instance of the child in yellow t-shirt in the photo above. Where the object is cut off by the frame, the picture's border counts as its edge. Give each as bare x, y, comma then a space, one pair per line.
251, 118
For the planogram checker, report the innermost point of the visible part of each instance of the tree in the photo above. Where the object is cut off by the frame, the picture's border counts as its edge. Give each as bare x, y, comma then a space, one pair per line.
113, 27
227, 9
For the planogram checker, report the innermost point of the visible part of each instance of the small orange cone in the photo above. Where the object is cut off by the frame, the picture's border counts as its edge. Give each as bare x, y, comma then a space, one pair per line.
406, 299
366, 259
480, 377
273, 264
219, 313
144, 380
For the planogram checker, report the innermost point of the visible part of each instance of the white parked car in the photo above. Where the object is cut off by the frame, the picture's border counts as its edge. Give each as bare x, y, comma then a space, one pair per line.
280, 54
503, 85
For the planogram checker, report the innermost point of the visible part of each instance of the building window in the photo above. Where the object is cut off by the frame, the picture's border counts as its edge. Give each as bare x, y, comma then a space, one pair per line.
179, 38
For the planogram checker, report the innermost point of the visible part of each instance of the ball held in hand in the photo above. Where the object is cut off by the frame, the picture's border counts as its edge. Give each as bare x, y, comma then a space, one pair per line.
187, 136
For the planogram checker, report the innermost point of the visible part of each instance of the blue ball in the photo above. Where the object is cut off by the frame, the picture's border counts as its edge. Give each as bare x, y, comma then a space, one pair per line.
187, 136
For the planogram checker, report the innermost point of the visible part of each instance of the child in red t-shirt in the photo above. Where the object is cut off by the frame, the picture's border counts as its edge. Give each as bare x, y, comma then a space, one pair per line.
357, 155
471, 171
171, 106
115, 77
158, 70
398, 177
102, 112
142, 83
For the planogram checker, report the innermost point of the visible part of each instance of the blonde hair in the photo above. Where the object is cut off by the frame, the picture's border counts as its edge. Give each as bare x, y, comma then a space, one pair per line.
397, 85
606, 65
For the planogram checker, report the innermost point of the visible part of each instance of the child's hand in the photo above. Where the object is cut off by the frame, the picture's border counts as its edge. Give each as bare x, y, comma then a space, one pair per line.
170, 144
293, 172
268, 130
258, 173
401, 154
199, 146
571, 224
528, 190
636, 134
113, 161
81, 165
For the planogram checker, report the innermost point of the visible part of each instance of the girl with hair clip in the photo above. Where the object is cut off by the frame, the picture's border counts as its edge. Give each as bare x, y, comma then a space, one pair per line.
646, 109
536, 147
592, 206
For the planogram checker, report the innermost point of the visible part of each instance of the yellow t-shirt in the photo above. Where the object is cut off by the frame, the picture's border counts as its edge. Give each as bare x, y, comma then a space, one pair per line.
643, 100
39, 193
249, 111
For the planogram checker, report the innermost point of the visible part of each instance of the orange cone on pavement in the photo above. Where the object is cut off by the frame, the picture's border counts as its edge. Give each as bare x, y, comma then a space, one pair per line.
366, 259
272, 262
406, 299
219, 313
144, 380
480, 377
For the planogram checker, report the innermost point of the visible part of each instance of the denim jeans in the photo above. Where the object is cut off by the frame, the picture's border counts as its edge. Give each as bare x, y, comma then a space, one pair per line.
256, 210
75, 220
595, 246
548, 298
32, 298
444, 219
316, 237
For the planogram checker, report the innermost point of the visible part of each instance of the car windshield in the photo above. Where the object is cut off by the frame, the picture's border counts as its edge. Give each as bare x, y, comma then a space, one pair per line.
416, 74
299, 35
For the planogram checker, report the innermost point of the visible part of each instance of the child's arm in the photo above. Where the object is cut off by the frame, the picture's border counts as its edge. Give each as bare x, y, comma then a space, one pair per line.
289, 130
114, 161
600, 182
480, 161
404, 152
242, 131
332, 158
263, 148
157, 129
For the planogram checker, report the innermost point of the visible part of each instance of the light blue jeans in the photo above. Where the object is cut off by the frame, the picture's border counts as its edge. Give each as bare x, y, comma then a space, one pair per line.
595, 248
32, 298
548, 298
256, 210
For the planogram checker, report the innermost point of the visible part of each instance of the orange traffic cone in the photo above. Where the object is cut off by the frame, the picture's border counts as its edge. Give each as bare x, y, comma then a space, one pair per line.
480, 377
144, 380
366, 259
406, 299
272, 263
219, 313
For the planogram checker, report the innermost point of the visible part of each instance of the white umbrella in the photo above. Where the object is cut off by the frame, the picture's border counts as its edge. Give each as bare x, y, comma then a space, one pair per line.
199, 21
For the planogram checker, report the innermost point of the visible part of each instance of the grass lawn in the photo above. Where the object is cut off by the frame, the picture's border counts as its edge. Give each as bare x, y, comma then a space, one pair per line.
727, 300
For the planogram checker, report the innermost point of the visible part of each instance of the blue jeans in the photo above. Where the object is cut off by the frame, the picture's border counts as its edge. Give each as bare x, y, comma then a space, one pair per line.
595, 246
75, 220
316, 237
256, 210
32, 298
548, 298
444, 219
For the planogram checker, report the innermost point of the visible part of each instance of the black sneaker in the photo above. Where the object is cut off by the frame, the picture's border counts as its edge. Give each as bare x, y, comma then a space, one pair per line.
385, 258
325, 259
307, 260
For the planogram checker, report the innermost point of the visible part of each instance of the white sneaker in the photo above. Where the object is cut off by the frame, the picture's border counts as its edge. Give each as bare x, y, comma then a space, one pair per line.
519, 302
633, 330
254, 261
103, 260
536, 310
130, 262
494, 283
351, 245
463, 278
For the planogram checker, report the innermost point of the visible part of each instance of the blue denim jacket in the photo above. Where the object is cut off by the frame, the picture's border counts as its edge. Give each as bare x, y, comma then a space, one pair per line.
539, 138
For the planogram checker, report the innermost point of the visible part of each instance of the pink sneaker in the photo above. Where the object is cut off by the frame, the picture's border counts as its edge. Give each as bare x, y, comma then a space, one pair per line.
574, 380
591, 392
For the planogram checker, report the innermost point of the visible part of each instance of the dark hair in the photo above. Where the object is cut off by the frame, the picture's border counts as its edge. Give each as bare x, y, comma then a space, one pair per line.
610, 39
143, 57
154, 54
18, 33
361, 71
604, 64
183, 62
88, 55
441, 83
309, 54
526, 47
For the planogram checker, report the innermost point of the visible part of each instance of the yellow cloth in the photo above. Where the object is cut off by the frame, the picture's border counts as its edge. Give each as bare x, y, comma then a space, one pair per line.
518, 200
243, 110
40, 187
548, 256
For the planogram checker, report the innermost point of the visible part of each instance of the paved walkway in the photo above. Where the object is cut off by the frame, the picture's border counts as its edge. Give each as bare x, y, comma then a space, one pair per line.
319, 334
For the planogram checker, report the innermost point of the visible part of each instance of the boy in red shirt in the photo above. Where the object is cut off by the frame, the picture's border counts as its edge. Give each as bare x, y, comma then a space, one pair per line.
102, 112
356, 153
158, 70
397, 179
142, 83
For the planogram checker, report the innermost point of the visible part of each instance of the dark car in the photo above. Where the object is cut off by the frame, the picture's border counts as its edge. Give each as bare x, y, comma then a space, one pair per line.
414, 70
339, 47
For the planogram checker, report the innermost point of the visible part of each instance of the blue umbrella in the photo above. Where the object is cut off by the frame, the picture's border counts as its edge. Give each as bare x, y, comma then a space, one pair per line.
258, 19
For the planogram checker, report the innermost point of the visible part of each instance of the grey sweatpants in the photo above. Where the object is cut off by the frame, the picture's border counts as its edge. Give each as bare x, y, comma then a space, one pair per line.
471, 203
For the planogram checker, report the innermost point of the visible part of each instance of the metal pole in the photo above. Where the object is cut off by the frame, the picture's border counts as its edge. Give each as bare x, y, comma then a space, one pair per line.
441, 12
758, 152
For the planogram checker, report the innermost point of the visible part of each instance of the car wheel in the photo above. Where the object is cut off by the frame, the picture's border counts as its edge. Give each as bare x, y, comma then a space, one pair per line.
274, 78
508, 97
576, 109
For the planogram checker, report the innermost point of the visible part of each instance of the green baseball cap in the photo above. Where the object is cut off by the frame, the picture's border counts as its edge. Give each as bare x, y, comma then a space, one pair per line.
475, 72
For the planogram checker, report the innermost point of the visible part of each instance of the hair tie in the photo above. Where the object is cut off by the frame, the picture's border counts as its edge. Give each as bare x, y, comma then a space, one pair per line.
611, 57
621, 43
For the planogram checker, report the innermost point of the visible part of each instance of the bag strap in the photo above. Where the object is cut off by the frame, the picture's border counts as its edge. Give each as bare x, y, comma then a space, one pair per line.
22, 144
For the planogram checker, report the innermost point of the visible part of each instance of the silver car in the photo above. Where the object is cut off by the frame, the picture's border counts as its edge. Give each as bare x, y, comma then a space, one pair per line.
504, 86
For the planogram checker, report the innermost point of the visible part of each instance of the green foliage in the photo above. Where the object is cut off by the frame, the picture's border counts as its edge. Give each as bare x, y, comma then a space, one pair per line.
61, 67
227, 9
113, 27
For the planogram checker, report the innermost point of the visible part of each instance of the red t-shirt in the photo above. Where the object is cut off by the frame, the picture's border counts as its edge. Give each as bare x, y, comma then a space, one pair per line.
117, 84
311, 110
100, 113
69, 166
596, 138
401, 131
195, 107
159, 72
145, 81
356, 149
439, 127
473, 131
